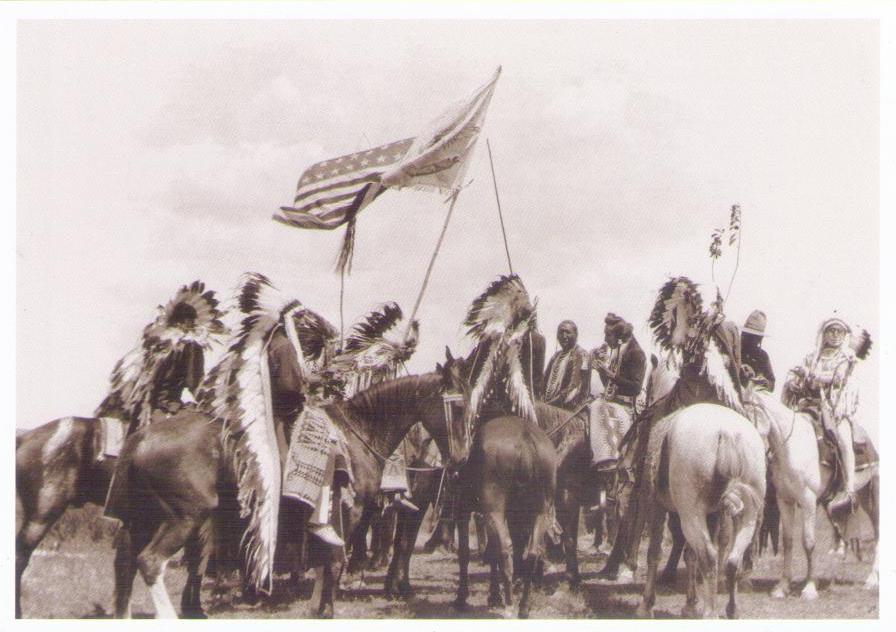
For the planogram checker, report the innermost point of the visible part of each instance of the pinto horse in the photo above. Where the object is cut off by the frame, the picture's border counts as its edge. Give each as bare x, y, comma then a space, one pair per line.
61, 464
507, 473
178, 471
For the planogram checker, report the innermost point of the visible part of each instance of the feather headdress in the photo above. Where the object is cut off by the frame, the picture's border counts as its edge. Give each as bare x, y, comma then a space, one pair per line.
237, 392
498, 321
191, 316
370, 356
677, 304
861, 344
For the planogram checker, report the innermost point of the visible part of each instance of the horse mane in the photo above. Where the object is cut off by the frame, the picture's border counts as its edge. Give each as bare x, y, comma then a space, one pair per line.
719, 377
376, 403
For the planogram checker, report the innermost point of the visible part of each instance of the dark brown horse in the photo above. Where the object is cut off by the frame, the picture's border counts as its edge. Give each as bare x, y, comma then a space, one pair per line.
508, 473
174, 475
60, 465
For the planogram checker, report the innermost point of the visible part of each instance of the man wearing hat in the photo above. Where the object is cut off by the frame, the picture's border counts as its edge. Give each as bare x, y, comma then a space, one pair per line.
754, 359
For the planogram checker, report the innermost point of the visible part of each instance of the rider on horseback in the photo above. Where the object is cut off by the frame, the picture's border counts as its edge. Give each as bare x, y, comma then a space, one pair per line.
710, 372
821, 385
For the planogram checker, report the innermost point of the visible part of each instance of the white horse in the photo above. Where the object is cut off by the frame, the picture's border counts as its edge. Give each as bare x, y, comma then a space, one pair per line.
704, 459
800, 479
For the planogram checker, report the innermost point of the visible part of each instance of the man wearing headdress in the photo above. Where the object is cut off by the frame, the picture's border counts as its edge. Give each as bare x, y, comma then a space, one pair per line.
568, 375
822, 385
710, 372
756, 365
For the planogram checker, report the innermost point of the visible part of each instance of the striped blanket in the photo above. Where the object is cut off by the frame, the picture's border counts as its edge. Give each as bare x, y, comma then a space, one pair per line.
314, 438
608, 423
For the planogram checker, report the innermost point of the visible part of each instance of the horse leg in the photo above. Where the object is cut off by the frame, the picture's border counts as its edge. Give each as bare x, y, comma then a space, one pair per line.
667, 577
196, 555
125, 569
788, 519
27, 539
463, 560
413, 521
807, 505
745, 527
691, 609
397, 554
170, 537
501, 543
870, 498
696, 531
570, 525
654, 550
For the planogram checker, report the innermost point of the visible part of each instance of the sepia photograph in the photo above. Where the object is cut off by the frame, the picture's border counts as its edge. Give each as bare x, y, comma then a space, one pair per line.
528, 313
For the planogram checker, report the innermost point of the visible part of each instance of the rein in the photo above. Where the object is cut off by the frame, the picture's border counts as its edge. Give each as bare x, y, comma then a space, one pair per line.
575, 414
364, 441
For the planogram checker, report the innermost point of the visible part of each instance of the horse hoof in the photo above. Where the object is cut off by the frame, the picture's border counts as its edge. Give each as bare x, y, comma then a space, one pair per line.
495, 601
460, 604
626, 575
643, 612
809, 592
524, 613
691, 611
731, 611
779, 592
326, 612
193, 614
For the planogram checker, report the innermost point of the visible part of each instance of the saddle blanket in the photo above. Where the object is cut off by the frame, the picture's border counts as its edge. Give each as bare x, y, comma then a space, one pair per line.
112, 433
314, 438
608, 423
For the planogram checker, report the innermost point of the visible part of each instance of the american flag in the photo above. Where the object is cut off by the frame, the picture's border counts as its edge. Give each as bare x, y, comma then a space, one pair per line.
332, 192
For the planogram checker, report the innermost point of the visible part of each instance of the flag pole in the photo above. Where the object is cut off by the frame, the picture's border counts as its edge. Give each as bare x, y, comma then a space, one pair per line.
341, 301
498, 200
432, 261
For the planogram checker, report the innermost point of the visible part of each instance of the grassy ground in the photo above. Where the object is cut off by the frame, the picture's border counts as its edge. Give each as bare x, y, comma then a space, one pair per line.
71, 577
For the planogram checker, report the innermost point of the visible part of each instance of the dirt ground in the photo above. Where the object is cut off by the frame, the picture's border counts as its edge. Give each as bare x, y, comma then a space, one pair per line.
73, 578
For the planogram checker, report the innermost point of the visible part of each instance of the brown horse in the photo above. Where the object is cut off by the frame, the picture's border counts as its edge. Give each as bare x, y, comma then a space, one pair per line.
508, 473
174, 475
60, 465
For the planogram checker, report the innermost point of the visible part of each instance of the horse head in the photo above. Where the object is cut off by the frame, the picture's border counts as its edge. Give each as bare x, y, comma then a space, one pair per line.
662, 378
456, 388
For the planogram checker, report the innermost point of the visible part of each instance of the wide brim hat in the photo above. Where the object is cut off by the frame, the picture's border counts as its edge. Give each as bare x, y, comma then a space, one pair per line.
755, 324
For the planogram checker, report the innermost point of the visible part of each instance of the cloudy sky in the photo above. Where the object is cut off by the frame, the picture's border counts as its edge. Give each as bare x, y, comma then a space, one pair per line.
151, 154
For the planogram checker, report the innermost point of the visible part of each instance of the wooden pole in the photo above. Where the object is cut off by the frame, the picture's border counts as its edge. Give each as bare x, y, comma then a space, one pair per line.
498, 200
432, 261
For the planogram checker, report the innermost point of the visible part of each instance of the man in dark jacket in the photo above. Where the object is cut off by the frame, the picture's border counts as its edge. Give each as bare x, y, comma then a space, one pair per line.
756, 365
621, 364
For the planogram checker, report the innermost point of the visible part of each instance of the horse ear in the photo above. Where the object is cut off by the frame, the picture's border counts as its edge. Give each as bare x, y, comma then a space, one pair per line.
448, 355
439, 368
654, 360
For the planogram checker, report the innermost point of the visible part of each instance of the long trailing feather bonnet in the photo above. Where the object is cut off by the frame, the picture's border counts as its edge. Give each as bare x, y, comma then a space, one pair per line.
681, 326
370, 355
498, 321
237, 392
133, 378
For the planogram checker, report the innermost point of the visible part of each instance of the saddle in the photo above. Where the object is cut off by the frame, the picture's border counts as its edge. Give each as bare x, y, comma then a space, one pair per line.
829, 452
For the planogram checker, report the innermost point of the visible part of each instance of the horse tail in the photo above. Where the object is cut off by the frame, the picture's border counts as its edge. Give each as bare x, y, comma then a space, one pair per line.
731, 464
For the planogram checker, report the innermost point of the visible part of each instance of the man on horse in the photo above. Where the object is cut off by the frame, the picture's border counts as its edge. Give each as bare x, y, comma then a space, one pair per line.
621, 365
821, 385
709, 345
756, 365
568, 376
